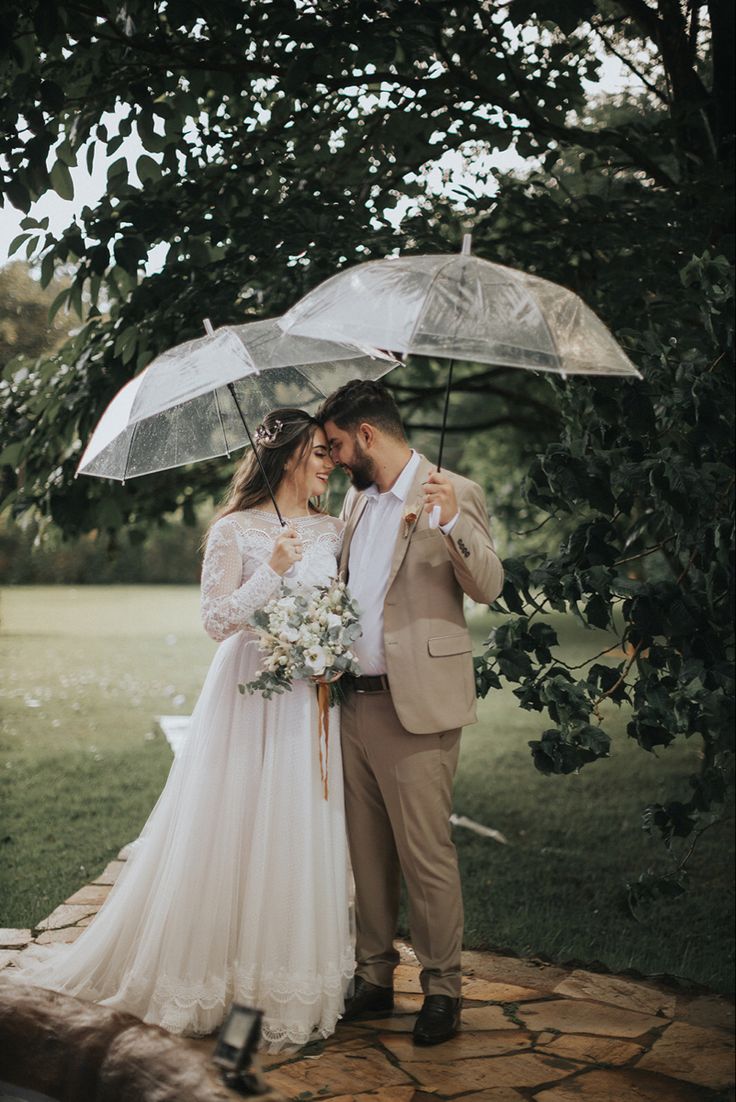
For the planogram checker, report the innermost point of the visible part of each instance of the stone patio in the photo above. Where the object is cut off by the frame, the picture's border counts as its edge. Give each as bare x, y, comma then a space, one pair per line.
531, 1031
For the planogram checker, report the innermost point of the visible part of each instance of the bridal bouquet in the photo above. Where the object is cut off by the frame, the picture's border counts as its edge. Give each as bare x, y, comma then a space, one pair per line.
305, 636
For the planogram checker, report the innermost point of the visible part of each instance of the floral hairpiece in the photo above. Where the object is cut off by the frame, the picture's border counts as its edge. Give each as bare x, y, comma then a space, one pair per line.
262, 435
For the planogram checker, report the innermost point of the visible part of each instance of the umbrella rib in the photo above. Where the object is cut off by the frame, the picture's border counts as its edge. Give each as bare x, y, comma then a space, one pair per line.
552, 339
130, 448
432, 282
222, 423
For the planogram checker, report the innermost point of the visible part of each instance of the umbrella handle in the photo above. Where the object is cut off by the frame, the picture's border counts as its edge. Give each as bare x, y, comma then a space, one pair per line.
448, 388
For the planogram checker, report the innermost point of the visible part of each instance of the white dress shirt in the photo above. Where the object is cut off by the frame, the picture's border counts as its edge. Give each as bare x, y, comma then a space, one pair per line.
371, 552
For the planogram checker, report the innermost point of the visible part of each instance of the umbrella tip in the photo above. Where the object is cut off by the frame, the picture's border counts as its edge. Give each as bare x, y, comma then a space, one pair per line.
467, 244
208, 327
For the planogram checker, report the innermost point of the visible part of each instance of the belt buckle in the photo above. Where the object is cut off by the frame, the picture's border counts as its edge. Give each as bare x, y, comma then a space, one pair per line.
353, 683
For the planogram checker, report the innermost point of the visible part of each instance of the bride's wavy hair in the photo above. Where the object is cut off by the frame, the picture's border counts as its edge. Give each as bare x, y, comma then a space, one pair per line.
283, 434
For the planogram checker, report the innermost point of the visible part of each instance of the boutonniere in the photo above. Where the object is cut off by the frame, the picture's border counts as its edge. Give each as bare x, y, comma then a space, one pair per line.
412, 515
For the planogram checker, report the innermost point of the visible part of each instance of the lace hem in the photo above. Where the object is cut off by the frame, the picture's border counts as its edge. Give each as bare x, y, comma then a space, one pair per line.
275, 1034
297, 1007
281, 986
295, 1011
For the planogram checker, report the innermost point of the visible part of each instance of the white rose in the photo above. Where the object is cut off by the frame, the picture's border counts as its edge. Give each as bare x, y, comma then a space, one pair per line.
288, 635
315, 659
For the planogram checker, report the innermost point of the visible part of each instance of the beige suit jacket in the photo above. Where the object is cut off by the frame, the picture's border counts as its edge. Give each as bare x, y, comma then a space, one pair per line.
429, 658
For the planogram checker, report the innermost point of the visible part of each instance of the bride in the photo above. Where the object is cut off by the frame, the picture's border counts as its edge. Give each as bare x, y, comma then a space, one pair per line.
237, 888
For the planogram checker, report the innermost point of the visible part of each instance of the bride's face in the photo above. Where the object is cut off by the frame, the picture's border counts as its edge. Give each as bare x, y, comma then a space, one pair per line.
313, 470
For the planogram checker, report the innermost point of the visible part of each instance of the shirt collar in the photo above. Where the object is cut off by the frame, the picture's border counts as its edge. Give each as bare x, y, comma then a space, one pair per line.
402, 485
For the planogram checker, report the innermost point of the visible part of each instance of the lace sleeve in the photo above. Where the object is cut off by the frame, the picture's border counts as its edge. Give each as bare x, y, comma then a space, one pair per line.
227, 600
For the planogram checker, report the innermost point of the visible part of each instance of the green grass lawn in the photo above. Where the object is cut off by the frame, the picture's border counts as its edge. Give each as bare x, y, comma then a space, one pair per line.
86, 669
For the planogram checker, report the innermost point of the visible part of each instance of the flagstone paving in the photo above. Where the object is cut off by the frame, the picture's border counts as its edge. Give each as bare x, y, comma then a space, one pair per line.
531, 1032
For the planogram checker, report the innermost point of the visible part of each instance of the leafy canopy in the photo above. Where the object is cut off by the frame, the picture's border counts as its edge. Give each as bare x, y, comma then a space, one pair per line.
282, 141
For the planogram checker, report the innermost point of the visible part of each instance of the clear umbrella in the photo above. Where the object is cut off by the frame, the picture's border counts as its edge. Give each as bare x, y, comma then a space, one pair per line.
196, 400
460, 307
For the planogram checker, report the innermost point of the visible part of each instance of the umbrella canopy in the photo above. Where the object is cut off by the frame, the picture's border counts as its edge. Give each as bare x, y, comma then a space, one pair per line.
183, 407
462, 308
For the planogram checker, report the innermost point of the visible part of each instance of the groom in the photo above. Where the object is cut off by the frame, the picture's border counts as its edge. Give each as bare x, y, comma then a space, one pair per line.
402, 721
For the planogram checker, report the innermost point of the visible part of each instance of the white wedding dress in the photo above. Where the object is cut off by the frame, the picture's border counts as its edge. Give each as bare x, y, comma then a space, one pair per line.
237, 888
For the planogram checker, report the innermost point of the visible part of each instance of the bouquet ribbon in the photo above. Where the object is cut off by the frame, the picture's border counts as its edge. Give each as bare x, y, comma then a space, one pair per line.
323, 702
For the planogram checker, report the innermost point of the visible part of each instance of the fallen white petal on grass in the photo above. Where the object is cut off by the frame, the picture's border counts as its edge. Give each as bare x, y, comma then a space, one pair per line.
478, 828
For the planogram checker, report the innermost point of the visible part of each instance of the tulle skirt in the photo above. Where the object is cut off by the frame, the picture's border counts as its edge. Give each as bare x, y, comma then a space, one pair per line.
237, 889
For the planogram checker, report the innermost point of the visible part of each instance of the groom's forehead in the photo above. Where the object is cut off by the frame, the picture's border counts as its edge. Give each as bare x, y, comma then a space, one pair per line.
333, 433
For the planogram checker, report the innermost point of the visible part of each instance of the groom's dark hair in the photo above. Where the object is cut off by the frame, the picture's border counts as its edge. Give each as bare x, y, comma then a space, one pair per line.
363, 400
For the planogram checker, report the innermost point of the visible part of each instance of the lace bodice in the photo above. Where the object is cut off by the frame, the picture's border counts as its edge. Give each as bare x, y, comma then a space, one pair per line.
236, 577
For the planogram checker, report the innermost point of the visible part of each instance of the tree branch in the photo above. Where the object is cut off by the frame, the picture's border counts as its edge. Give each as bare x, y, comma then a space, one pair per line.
630, 65
492, 423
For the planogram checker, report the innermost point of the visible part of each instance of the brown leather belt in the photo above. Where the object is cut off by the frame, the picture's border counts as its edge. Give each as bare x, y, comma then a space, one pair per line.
376, 683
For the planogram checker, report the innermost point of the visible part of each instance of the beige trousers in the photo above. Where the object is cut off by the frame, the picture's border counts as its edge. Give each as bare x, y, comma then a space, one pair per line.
398, 798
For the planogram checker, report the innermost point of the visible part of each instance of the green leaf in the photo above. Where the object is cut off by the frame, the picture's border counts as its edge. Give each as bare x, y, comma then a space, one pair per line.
75, 299
151, 141
149, 171
52, 96
553, 754
125, 344
61, 180
673, 820
47, 269
60, 300
118, 170
114, 144
66, 154
18, 194
99, 258
16, 243
11, 455
130, 253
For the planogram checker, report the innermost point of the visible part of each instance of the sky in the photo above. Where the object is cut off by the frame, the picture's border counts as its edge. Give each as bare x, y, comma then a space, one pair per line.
90, 186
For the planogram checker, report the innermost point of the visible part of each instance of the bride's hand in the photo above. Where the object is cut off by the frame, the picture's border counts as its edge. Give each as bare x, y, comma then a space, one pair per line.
286, 551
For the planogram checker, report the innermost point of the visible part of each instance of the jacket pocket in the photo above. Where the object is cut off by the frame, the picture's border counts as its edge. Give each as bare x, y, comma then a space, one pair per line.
441, 646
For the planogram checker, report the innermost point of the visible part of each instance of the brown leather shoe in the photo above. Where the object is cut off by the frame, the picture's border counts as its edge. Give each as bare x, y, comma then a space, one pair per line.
438, 1020
368, 1001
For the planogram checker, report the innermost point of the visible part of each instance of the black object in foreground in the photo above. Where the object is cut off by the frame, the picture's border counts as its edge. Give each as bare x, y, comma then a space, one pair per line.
236, 1045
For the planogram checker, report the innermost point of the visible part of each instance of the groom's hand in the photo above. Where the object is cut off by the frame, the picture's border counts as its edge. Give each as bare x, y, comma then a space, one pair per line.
438, 490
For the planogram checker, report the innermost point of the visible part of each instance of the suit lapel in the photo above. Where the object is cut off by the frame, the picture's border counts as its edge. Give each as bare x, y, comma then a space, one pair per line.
402, 542
355, 515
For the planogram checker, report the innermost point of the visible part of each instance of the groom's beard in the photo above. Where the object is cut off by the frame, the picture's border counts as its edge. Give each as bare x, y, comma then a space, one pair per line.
362, 468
